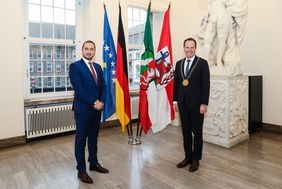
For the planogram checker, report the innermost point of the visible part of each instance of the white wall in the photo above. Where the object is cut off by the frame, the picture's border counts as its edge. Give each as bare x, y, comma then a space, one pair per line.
260, 49
12, 69
261, 54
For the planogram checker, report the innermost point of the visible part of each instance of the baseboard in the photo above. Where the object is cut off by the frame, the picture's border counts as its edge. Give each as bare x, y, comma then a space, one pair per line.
14, 141
272, 128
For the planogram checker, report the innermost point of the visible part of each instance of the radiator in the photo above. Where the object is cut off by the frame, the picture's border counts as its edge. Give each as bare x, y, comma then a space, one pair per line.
42, 120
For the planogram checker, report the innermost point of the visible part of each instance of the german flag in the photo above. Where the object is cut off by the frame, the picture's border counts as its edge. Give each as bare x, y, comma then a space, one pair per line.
122, 90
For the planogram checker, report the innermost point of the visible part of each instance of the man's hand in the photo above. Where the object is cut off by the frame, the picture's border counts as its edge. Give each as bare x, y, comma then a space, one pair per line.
175, 107
98, 105
203, 108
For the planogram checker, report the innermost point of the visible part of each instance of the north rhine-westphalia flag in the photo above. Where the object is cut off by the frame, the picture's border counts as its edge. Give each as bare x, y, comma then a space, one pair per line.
159, 94
164, 77
147, 75
109, 65
122, 90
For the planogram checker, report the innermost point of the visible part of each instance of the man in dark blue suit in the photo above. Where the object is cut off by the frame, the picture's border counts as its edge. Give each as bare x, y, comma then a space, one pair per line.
191, 97
89, 94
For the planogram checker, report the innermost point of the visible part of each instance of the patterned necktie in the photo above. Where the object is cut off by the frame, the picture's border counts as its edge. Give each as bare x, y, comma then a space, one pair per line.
93, 71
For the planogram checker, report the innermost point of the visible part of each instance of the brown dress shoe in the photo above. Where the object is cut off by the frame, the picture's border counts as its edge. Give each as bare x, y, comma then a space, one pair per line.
84, 177
183, 163
194, 165
98, 168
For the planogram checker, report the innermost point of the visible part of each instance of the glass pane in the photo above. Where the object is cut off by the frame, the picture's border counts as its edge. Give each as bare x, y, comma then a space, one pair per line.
35, 85
135, 23
31, 67
35, 51
34, 29
137, 38
59, 16
47, 14
70, 4
129, 13
60, 68
70, 51
34, 67
47, 51
47, 30
48, 68
130, 25
70, 32
143, 16
60, 84
34, 1
68, 67
60, 3
130, 39
134, 76
70, 17
59, 52
136, 14
59, 30
38, 68
68, 84
47, 2
48, 84
33, 12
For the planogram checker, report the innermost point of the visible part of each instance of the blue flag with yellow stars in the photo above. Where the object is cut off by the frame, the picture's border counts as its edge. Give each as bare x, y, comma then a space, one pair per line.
109, 69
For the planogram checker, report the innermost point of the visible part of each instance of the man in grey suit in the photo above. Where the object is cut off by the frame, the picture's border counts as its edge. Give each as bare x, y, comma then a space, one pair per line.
191, 97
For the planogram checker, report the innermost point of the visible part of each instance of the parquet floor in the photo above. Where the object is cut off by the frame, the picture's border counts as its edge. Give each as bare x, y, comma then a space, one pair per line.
50, 163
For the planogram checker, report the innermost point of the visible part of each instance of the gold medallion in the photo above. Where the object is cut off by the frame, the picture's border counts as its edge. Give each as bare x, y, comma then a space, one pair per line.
185, 82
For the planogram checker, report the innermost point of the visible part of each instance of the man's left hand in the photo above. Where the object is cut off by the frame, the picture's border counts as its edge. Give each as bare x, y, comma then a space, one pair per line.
203, 108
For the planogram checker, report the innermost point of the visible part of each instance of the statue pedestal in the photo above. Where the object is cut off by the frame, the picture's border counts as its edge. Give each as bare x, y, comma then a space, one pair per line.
226, 122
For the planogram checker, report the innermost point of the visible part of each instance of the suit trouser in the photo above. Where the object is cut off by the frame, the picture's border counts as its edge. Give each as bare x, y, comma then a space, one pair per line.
192, 123
87, 128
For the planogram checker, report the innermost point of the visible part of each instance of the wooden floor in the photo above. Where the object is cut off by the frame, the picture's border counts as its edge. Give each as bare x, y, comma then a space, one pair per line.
50, 163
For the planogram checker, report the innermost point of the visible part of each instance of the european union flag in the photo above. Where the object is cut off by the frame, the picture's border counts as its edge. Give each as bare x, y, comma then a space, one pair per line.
109, 58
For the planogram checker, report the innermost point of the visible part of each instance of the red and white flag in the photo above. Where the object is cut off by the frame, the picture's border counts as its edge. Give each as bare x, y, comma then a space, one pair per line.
163, 112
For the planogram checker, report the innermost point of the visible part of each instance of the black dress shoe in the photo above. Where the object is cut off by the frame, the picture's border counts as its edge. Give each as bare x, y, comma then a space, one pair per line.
84, 177
194, 165
183, 163
98, 168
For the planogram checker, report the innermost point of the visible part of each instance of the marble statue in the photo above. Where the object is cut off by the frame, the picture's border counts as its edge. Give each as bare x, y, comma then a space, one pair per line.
221, 33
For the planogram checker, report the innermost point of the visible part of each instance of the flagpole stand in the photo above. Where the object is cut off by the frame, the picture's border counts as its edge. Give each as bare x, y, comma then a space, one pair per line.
134, 140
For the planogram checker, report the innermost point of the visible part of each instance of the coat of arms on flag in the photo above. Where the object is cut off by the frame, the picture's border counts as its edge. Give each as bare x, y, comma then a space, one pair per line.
164, 71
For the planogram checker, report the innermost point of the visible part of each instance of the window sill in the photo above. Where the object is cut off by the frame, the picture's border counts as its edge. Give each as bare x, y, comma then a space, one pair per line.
31, 102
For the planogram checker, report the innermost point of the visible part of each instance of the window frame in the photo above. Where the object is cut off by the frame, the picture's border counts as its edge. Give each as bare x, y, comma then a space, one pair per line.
55, 94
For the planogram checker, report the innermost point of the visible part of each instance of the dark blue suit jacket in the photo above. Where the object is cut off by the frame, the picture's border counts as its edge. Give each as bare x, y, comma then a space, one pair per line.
86, 91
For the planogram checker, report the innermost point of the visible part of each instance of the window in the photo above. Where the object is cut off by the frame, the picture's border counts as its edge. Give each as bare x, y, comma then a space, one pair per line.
58, 67
52, 33
39, 67
49, 82
49, 67
31, 67
136, 26
58, 81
